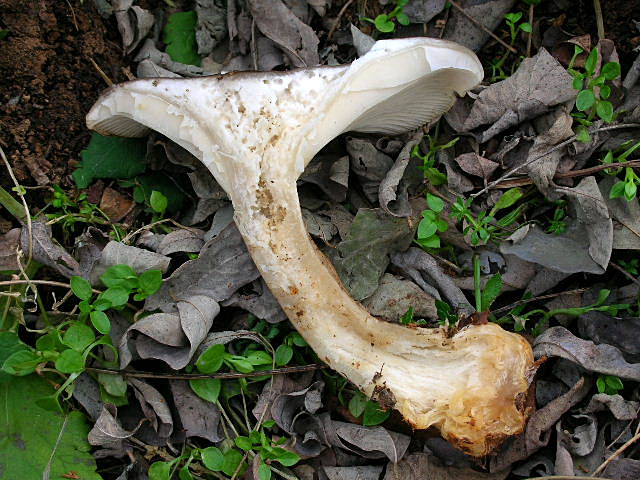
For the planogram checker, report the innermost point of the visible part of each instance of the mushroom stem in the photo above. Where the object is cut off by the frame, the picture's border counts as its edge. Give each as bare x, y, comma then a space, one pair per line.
469, 385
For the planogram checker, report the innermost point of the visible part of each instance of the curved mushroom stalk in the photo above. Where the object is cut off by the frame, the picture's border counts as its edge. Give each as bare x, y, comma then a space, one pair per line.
256, 132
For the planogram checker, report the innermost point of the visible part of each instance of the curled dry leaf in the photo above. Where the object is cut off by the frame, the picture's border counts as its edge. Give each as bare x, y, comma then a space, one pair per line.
393, 190
9, 244
154, 406
394, 297
109, 434
198, 417
560, 342
46, 251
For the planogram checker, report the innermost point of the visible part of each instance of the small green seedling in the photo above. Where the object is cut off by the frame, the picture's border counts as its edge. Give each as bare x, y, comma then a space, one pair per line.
626, 188
631, 266
558, 223
446, 317
385, 22
370, 411
484, 226
431, 223
497, 64
593, 92
609, 384
71, 211
431, 172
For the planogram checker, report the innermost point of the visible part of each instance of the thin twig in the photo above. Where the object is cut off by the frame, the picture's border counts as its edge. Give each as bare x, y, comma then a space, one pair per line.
599, 19
531, 32
337, 20
535, 299
625, 273
563, 144
483, 28
103, 75
196, 376
616, 454
151, 225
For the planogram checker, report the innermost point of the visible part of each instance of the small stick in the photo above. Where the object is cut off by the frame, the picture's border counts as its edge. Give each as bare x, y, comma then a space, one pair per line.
337, 20
196, 376
535, 299
599, 19
531, 32
617, 453
625, 273
106, 79
483, 28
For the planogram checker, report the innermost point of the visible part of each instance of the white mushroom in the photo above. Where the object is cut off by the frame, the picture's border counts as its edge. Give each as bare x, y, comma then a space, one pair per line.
256, 132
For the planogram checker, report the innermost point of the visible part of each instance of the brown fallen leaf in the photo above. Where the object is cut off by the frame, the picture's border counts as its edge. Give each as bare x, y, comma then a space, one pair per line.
115, 205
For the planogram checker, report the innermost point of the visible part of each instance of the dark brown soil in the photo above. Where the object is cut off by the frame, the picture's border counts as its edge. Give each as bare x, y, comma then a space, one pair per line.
48, 82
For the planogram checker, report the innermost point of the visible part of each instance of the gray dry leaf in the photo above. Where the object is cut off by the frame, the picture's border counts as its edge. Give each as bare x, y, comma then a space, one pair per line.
538, 430
279, 24
170, 337
9, 244
579, 440
490, 13
141, 260
154, 407
181, 240
86, 390
341, 218
212, 25
620, 408
423, 466
586, 245
415, 262
259, 302
372, 442
134, 23
198, 417
394, 297
278, 386
286, 407
46, 251
148, 51
476, 165
109, 434
560, 342
422, 11
318, 226
353, 473
618, 332
552, 129
361, 41
626, 216
539, 84
224, 265
362, 258
622, 469
369, 165
393, 190
330, 175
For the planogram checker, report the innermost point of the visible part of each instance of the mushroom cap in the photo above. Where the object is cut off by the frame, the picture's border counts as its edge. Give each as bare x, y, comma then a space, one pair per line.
397, 86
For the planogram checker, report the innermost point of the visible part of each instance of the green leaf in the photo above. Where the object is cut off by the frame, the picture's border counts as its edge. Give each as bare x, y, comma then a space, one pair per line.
264, 472
383, 24
582, 134
591, 62
491, 291
407, 317
286, 457
232, 459
577, 83
284, 353
81, 288
243, 443
435, 176
114, 385
426, 228
211, 359
601, 384
212, 458
617, 190
158, 202
70, 361
169, 186
431, 242
357, 404
604, 109
36, 440
403, 18
21, 362
206, 388
78, 337
605, 92
179, 35
259, 357
507, 199
160, 470
184, 473
110, 157
610, 70
435, 203
120, 276
100, 322
526, 27
585, 100
150, 281
116, 296
613, 382
241, 364
630, 191
373, 415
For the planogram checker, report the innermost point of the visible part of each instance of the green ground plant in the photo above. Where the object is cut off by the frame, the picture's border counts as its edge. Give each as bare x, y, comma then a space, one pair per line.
628, 187
386, 22
515, 25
